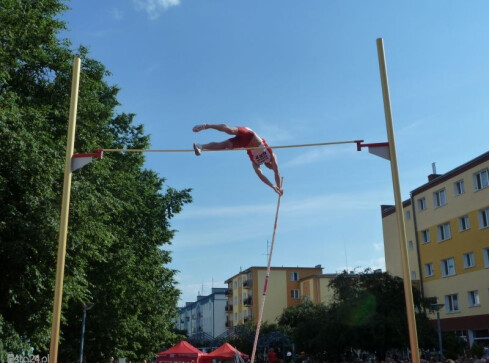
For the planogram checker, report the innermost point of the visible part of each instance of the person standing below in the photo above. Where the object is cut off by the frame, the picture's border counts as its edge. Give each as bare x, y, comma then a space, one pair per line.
244, 138
272, 356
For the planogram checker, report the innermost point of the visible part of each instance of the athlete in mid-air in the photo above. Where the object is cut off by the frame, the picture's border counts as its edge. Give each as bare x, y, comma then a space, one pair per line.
244, 138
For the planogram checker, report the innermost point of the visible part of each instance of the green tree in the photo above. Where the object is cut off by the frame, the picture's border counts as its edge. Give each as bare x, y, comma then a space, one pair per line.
120, 213
367, 312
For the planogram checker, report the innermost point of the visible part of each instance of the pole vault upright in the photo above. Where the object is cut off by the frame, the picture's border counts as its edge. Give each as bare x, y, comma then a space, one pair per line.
65, 208
401, 227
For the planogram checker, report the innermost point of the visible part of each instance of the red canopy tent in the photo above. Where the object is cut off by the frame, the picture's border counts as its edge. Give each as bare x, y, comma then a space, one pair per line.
182, 352
224, 352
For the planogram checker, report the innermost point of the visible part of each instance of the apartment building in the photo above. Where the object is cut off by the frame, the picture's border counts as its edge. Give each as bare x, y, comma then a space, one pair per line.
245, 290
315, 288
447, 229
206, 316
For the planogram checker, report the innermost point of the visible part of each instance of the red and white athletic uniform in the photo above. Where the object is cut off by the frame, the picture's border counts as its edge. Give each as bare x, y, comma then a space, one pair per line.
243, 139
260, 156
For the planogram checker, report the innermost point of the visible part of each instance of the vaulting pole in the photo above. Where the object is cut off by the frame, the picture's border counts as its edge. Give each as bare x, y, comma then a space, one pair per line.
65, 208
265, 286
408, 292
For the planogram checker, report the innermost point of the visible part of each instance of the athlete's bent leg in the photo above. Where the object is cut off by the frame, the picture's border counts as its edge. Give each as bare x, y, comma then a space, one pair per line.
223, 145
231, 130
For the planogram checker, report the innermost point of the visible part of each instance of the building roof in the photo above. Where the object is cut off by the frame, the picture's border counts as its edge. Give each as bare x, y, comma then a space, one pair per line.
201, 299
249, 269
435, 179
331, 276
450, 174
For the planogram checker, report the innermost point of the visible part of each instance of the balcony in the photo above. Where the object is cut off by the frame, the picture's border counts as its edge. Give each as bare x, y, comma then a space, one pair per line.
229, 324
248, 284
247, 318
228, 307
248, 301
228, 292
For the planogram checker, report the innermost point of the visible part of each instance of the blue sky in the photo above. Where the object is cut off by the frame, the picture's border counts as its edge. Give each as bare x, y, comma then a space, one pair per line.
296, 72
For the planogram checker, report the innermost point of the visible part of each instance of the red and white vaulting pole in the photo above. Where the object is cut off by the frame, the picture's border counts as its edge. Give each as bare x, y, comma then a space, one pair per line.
267, 278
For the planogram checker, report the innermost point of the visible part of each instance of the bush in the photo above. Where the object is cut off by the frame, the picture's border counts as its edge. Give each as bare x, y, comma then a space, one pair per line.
477, 350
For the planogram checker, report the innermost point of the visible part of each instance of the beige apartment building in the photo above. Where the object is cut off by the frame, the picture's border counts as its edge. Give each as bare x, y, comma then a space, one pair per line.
447, 230
315, 288
287, 286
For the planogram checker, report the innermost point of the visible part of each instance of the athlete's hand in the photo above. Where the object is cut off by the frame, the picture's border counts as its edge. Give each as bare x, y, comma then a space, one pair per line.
278, 190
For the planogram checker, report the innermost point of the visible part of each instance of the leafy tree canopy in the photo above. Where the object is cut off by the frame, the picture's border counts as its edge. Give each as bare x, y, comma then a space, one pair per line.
120, 212
367, 312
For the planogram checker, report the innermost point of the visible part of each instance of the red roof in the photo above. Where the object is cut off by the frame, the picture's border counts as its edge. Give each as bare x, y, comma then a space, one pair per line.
224, 352
182, 351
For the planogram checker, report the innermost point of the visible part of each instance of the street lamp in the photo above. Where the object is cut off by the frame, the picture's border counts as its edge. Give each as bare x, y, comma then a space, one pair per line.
86, 307
437, 307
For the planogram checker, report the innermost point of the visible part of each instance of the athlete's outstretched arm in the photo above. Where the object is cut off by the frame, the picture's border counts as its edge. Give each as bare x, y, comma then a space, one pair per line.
264, 179
277, 173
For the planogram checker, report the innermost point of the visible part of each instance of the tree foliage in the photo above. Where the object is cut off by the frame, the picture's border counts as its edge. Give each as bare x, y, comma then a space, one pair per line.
367, 312
119, 215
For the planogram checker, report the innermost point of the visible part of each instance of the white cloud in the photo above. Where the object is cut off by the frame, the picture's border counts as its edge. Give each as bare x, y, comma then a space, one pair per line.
378, 246
374, 264
116, 14
318, 154
335, 202
155, 7
151, 69
227, 211
309, 157
234, 234
273, 133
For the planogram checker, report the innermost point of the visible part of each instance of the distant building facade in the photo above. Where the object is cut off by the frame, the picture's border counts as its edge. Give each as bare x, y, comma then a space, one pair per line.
447, 229
315, 288
206, 316
245, 290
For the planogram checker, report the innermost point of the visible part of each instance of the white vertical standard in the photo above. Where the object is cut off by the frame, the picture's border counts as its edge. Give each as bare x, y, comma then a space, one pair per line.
408, 292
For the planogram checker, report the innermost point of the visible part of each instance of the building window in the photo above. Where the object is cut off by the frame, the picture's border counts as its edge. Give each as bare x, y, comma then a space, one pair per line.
294, 276
408, 215
469, 260
235, 300
481, 180
448, 267
411, 245
485, 251
294, 294
473, 298
425, 236
235, 317
484, 218
413, 275
439, 198
451, 303
463, 223
235, 284
428, 269
459, 187
444, 232
422, 203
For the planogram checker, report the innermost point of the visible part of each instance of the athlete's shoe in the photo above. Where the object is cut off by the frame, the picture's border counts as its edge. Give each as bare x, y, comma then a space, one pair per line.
198, 128
197, 149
